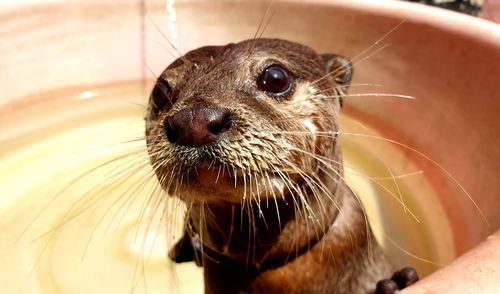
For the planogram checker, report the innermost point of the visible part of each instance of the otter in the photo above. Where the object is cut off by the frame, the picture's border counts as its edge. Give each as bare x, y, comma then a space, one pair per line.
246, 135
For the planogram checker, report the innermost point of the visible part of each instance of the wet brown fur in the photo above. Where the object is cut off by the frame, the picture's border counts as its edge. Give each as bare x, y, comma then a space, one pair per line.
310, 235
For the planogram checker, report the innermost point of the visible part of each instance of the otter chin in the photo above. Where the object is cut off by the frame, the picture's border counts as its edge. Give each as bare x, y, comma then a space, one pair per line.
217, 180
245, 135
208, 183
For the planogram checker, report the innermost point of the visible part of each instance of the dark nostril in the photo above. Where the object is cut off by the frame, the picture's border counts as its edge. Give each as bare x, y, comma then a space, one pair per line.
172, 134
221, 124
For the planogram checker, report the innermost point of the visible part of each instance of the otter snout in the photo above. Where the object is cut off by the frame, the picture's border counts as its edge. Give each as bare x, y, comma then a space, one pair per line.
196, 127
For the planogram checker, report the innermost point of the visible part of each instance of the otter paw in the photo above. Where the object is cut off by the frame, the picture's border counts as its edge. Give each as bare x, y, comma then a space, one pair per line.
386, 286
400, 280
405, 277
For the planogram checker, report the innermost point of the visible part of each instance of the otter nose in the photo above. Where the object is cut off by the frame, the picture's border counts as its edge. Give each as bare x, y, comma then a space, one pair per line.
198, 126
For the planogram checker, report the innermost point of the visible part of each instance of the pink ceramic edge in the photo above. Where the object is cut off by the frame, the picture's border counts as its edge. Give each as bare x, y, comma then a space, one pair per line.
473, 27
477, 271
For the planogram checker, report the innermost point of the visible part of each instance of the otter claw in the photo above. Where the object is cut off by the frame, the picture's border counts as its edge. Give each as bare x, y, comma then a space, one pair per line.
386, 286
186, 249
400, 280
405, 277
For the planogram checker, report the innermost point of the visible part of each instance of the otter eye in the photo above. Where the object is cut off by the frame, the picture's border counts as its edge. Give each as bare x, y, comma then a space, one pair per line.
161, 94
274, 79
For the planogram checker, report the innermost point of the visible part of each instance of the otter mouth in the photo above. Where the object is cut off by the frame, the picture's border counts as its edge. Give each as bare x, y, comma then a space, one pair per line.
220, 174
209, 180
208, 174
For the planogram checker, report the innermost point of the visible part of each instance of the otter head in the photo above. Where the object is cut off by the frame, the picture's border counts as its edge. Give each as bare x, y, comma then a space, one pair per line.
245, 121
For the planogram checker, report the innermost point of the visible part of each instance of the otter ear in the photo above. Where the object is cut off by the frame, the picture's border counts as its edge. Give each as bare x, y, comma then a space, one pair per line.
340, 69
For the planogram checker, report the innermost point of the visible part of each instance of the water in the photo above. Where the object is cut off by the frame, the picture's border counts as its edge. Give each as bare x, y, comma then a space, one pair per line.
89, 238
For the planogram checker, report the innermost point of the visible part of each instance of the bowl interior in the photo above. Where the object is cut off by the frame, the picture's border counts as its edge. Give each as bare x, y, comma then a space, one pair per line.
87, 89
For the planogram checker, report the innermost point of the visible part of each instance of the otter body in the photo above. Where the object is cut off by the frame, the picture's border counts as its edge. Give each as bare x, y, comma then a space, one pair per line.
245, 134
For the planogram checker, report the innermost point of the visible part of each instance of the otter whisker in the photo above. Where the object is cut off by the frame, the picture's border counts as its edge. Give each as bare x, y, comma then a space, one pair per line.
79, 211
257, 198
357, 198
131, 150
392, 176
150, 69
202, 224
380, 39
308, 180
360, 55
398, 199
264, 177
435, 163
275, 200
340, 89
324, 160
166, 38
69, 217
289, 185
400, 194
352, 85
143, 258
262, 26
66, 219
317, 182
66, 188
254, 226
250, 188
394, 243
251, 224
243, 200
218, 174
130, 200
369, 95
253, 198
149, 199
320, 185
400, 176
235, 176
148, 204
311, 184
340, 69
395, 183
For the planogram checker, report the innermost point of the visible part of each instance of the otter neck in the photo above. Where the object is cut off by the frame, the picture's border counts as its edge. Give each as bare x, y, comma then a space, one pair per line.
270, 233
